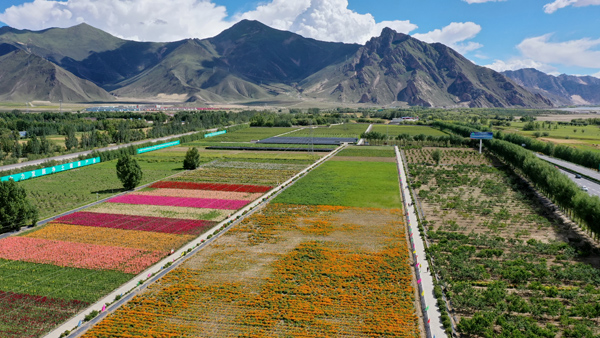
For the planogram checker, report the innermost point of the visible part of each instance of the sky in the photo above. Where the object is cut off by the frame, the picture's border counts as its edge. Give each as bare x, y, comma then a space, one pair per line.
553, 36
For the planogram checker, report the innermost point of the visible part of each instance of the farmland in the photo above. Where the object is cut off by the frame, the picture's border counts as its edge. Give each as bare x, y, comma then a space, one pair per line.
247, 135
344, 130
56, 269
290, 270
509, 267
342, 183
394, 130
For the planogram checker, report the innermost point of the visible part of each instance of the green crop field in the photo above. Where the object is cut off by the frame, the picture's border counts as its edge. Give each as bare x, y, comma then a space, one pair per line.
344, 130
395, 130
343, 183
248, 134
65, 283
355, 151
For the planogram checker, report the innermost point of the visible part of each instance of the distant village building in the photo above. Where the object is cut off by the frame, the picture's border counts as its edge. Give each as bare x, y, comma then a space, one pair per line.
399, 120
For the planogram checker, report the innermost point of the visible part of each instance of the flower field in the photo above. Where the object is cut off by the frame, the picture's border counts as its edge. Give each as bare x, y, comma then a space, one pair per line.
139, 223
311, 284
161, 211
134, 239
211, 203
228, 195
36, 313
211, 186
289, 270
53, 272
77, 255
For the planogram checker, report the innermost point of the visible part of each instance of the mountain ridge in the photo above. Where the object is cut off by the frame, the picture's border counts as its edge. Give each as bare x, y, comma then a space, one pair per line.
251, 61
562, 89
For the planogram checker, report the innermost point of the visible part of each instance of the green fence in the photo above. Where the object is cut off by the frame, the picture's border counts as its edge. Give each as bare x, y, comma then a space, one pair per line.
50, 170
216, 133
158, 146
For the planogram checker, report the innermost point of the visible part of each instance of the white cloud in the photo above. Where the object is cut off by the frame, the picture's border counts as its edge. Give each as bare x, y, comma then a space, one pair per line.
149, 20
578, 53
596, 75
480, 1
328, 20
160, 20
517, 63
558, 4
454, 36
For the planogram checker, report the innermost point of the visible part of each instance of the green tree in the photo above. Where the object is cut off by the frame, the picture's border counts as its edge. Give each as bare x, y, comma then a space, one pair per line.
15, 209
436, 155
192, 159
71, 140
129, 172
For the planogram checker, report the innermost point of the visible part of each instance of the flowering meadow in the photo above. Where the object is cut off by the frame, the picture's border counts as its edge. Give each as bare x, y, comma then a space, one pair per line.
36, 313
53, 272
139, 223
134, 239
228, 195
77, 255
180, 201
212, 186
334, 271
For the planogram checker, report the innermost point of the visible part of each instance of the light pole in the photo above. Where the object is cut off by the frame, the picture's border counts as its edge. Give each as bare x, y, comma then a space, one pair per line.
60, 102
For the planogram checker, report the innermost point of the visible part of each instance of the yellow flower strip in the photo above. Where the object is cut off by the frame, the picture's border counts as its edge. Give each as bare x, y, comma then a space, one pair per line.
223, 195
162, 211
143, 240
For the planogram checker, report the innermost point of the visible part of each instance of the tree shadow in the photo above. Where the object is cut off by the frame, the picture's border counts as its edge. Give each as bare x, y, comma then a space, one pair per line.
109, 191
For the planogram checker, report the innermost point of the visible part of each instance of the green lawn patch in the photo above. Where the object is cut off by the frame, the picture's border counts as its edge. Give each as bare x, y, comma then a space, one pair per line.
354, 184
368, 152
411, 130
58, 282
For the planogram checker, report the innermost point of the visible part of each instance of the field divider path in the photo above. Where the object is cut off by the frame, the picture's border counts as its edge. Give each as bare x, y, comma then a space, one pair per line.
157, 271
431, 312
362, 140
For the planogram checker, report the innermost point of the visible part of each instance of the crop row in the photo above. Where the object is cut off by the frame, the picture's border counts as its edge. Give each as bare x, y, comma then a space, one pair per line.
77, 255
212, 186
211, 203
141, 223
227, 195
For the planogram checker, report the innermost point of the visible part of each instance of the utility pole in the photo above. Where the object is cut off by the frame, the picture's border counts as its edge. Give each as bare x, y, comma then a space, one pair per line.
60, 102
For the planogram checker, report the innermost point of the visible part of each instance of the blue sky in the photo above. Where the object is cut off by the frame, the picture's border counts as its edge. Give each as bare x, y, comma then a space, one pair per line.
555, 36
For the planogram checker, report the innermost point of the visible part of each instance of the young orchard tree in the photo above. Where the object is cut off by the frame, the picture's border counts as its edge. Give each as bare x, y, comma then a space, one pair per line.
436, 155
15, 209
192, 159
129, 172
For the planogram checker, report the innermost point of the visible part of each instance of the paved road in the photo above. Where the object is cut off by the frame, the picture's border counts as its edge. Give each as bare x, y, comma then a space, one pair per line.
593, 186
424, 277
572, 167
87, 152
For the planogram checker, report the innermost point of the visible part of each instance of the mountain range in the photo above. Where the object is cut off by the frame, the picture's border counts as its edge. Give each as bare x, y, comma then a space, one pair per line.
562, 90
250, 62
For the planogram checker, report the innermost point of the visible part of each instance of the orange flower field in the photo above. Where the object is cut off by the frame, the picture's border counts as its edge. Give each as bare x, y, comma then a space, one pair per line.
143, 240
286, 271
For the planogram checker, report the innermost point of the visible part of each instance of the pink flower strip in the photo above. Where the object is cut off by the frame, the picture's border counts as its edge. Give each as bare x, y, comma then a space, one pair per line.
226, 195
77, 255
211, 203
141, 223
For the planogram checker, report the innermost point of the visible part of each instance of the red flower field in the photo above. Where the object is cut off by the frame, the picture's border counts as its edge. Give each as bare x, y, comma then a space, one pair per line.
141, 223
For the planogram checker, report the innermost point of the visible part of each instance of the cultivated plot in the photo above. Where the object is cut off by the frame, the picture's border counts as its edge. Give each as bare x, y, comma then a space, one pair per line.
509, 267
